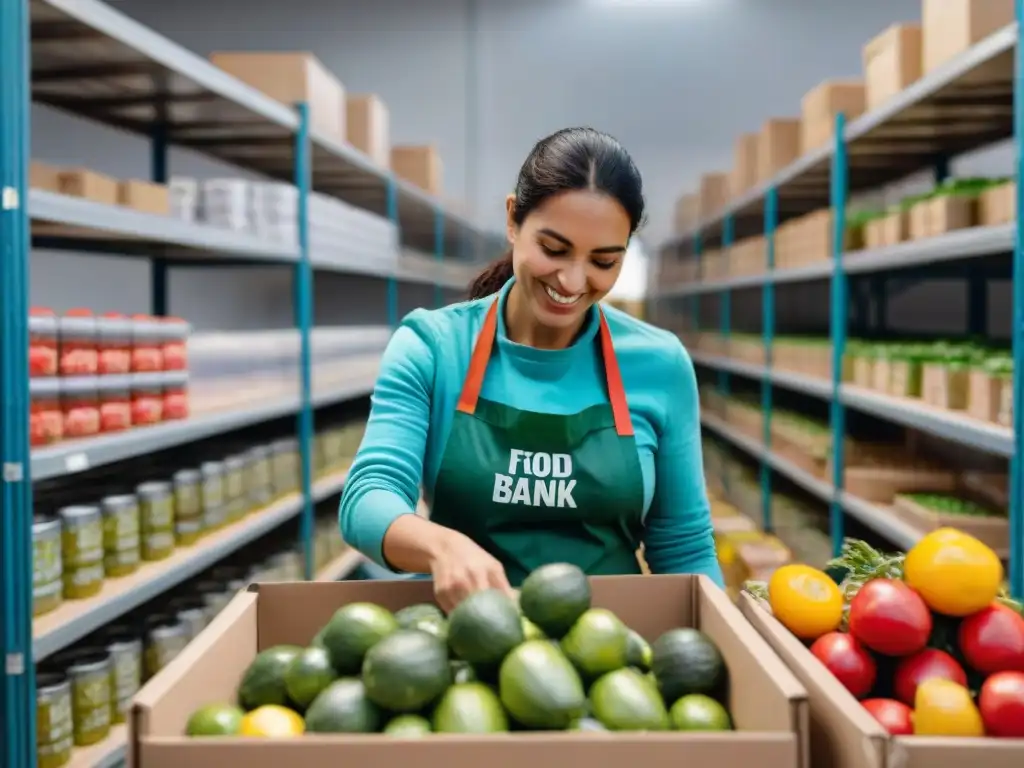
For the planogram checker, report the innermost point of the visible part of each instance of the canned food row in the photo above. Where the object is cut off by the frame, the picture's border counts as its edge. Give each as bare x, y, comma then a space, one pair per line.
84, 691
81, 343
80, 545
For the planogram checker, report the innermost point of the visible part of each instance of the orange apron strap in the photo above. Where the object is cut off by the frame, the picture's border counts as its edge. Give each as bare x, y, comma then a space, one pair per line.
478, 362
482, 355
616, 389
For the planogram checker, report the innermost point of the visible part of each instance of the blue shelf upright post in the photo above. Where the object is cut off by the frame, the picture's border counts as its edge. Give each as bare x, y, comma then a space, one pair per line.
1016, 468
392, 208
17, 704
439, 236
838, 318
725, 305
698, 250
771, 221
158, 303
304, 320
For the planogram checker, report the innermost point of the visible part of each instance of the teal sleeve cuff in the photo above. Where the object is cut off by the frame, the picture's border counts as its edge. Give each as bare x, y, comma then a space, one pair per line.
371, 517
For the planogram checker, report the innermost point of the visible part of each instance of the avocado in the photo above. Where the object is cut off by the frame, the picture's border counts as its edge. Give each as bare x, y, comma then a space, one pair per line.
686, 661
625, 700
406, 671
554, 596
484, 627
308, 674
408, 726
540, 688
597, 643
264, 680
352, 631
343, 707
470, 708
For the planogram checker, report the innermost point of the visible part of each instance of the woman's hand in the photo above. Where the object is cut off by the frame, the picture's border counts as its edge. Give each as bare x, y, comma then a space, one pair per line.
461, 567
458, 565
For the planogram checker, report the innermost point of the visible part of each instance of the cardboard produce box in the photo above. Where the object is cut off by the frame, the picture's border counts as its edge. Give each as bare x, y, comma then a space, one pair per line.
82, 182
768, 705
778, 145
744, 168
820, 106
844, 735
368, 127
144, 196
291, 77
950, 27
714, 193
43, 176
419, 165
687, 213
892, 62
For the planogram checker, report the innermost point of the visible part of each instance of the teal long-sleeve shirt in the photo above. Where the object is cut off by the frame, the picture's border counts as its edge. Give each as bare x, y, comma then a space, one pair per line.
414, 401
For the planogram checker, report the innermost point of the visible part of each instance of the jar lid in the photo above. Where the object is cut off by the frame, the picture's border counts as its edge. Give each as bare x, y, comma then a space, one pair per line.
212, 468
147, 382
114, 325
79, 386
175, 379
285, 445
118, 382
188, 476
45, 524
79, 513
78, 322
42, 320
234, 463
145, 327
154, 488
119, 503
44, 387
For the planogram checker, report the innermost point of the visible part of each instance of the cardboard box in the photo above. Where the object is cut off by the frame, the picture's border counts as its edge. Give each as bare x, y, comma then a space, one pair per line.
844, 735
892, 62
43, 176
993, 531
820, 106
744, 169
998, 205
291, 77
687, 213
950, 27
948, 213
714, 193
767, 703
81, 182
419, 165
368, 127
918, 227
778, 145
144, 196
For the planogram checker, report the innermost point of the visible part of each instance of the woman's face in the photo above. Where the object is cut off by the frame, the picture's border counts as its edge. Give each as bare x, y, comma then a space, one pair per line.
568, 253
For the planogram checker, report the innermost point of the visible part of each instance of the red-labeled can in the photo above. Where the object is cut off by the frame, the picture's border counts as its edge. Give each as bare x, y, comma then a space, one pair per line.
42, 342
175, 343
46, 420
115, 343
176, 395
79, 343
147, 344
147, 398
115, 397
79, 397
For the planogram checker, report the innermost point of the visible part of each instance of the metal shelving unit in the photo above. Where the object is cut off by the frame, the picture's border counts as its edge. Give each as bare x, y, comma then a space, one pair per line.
972, 101
86, 58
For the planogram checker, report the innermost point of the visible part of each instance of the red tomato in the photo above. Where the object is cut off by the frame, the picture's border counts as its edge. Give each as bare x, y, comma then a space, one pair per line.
992, 640
890, 618
924, 665
1001, 702
895, 716
847, 660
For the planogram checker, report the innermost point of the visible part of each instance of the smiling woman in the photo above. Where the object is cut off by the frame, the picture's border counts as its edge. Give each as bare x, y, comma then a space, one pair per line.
542, 427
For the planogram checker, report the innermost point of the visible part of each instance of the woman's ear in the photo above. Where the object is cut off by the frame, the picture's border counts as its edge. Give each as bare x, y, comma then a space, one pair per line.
510, 221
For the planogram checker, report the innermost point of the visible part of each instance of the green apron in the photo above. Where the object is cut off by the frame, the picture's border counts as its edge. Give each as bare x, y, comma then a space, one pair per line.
536, 488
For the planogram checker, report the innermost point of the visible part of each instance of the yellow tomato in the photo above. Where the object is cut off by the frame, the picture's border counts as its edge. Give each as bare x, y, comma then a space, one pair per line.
955, 573
944, 708
272, 722
805, 600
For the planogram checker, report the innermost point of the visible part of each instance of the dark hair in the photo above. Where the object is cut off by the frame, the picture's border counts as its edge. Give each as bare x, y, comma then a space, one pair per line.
573, 158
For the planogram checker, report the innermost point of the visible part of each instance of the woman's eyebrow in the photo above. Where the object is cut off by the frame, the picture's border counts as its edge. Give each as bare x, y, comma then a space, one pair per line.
569, 244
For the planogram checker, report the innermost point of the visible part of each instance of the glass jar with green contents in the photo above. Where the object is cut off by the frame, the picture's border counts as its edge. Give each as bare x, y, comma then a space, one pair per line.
54, 727
188, 506
166, 636
284, 466
236, 503
47, 586
121, 540
91, 694
156, 519
125, 648
82, 550
213, 495
258, 483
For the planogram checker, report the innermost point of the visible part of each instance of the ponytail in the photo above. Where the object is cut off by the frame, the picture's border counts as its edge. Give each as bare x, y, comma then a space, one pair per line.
492, 279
